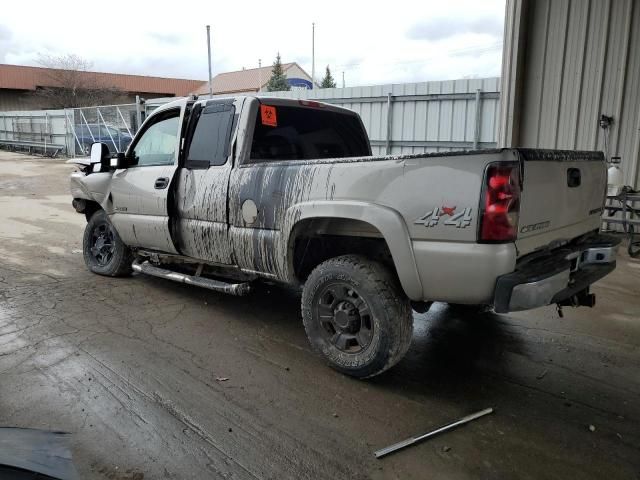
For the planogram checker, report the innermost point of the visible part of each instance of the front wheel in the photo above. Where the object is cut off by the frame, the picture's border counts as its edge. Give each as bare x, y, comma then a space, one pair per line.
103, 251
356, 315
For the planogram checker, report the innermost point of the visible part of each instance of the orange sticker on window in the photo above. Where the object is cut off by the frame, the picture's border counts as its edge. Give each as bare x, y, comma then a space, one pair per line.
268, 115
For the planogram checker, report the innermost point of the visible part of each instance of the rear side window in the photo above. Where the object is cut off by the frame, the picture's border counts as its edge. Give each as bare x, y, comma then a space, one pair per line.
301, 133
211, 138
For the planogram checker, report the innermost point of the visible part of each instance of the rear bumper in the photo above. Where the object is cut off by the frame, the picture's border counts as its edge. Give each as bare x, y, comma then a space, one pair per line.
557, 276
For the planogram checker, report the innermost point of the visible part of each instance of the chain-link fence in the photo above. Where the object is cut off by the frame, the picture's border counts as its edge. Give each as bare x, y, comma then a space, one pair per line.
72, 131
113, 125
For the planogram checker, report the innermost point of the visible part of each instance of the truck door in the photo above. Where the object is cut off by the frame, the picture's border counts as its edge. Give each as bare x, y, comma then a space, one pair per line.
203, 181
140, 192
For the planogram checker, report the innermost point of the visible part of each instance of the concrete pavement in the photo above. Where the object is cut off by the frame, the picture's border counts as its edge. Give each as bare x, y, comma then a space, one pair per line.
134, 368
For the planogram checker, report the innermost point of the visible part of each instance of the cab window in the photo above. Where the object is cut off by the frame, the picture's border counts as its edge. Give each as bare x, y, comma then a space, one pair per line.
158, 143
210, 143
299, 133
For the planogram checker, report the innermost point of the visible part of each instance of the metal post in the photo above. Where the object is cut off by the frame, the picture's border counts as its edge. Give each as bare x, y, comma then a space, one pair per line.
476, 130
73, 129
388, 144
259, 75
66, 133
209, 53
46, 123
138, 112
635, 159
342, 79
313, 55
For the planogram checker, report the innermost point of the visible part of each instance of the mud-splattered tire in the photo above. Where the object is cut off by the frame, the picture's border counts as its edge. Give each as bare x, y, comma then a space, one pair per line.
356, 315
103, 251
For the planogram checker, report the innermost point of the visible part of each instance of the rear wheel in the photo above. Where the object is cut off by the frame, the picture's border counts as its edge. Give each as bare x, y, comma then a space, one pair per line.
356, 315
103, 251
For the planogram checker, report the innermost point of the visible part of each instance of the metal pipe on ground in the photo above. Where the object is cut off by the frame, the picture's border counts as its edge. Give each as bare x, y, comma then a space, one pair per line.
412, 441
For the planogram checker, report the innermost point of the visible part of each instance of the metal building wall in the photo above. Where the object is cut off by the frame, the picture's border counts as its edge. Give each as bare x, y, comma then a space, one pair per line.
425, 117
570, 61
16, 100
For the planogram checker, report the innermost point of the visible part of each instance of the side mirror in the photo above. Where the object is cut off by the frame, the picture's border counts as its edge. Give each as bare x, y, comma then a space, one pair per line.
100, 154
120, 161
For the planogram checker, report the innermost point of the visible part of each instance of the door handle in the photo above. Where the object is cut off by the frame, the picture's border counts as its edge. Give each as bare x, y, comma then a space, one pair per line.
162, 182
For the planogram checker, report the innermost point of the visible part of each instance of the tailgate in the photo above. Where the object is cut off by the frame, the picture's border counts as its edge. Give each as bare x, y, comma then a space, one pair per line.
562, 196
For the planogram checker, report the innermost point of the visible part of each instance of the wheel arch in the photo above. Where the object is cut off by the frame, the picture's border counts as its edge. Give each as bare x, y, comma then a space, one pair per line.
88, 207
377, 221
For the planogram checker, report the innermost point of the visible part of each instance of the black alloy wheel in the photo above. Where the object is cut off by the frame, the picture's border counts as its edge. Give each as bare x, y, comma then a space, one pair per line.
102, 243
345, 317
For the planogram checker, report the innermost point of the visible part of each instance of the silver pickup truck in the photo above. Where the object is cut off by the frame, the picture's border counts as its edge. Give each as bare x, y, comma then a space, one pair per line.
220, 193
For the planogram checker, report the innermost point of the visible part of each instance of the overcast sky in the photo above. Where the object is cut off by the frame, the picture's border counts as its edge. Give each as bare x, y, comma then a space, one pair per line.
372, 42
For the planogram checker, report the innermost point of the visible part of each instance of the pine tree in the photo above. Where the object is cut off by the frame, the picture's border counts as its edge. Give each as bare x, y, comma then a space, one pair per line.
328, 81
278, 80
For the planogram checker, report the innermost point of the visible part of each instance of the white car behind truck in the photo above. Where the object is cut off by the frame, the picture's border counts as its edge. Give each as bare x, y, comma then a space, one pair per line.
220, 193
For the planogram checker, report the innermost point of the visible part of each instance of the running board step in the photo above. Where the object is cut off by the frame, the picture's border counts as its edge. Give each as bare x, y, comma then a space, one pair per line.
238, 289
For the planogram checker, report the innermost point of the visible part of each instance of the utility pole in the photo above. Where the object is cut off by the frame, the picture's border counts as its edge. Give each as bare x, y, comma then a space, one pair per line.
313, 55
209, 55
259, 75
343, 79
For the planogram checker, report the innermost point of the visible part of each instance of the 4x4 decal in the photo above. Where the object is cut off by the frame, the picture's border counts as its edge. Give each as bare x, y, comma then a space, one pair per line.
462, 219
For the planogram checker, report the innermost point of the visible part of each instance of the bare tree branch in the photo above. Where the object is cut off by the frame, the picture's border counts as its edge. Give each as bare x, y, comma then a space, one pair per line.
73, 84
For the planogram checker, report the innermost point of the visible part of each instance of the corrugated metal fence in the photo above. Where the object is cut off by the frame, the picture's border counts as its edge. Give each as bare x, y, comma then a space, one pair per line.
399, 118
43, 130
419, 117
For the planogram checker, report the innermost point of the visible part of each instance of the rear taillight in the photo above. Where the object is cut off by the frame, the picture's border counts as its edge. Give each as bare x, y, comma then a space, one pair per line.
500, 204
